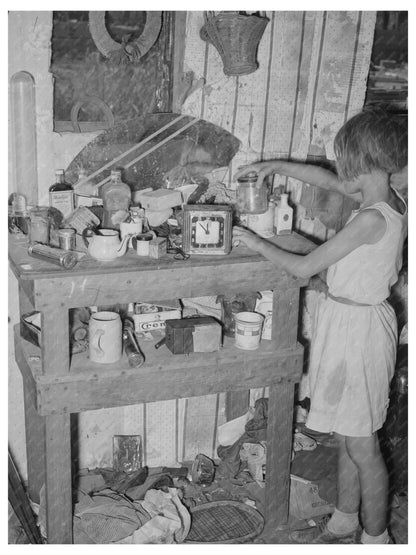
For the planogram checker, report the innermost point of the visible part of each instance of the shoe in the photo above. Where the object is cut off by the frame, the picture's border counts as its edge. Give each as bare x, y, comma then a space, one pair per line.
321, 534
303, 443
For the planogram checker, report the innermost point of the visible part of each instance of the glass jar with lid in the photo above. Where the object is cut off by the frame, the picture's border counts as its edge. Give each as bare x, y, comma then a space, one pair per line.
39, 225
252, 199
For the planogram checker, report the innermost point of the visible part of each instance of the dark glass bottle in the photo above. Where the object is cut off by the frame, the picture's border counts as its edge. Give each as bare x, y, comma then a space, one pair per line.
61, 194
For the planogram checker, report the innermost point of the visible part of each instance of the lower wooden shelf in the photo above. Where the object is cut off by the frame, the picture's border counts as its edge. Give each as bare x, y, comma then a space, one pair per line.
164, 376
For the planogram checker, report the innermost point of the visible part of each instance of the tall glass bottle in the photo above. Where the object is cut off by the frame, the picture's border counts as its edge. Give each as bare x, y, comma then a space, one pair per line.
61, 194
116, 197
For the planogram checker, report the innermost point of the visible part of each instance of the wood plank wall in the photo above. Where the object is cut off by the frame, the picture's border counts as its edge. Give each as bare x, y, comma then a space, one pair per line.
312, 76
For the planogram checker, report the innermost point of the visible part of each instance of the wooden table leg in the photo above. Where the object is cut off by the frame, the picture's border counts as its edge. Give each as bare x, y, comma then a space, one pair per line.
35, 443
279, 453
58, 478
55, 359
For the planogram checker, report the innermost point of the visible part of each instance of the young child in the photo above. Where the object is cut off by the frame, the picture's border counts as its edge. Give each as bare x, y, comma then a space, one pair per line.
355, 330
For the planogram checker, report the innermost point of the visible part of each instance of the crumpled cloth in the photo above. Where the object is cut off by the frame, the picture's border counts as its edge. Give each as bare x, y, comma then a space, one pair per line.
170, 522
255, 432
108, 517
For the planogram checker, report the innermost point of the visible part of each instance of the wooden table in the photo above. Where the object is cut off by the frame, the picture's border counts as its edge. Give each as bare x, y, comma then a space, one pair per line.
56, 386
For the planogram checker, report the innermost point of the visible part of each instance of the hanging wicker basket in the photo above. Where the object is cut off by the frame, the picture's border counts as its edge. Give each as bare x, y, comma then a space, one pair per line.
236, 37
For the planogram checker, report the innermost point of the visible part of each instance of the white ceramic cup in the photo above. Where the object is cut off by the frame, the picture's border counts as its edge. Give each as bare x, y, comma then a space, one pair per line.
105, 337
248, 326
141, 242
131, 228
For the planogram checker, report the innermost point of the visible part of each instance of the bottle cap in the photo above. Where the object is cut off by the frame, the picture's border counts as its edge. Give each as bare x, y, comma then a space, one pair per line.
115, 173
59, 172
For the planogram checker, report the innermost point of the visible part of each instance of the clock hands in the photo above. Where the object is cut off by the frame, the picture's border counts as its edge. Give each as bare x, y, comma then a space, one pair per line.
206, 229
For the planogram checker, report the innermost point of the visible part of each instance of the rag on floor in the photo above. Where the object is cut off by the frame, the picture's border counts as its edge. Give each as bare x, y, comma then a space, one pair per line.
255, 432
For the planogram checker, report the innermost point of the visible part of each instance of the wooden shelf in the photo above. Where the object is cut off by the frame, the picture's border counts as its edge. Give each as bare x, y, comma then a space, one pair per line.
56, 384
164, 376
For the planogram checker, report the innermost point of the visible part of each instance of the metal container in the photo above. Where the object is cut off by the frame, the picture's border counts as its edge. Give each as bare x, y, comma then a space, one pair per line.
67, 238
252, 199
65, 259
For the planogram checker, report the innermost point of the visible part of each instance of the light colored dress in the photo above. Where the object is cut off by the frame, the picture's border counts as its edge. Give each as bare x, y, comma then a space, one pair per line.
353, 349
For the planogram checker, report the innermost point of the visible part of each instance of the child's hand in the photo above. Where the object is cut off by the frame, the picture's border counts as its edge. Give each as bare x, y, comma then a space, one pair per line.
250, 239
263, 169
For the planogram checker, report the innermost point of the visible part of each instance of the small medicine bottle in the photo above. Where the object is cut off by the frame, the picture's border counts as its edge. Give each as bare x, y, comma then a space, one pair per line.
116, 197
283, 216
61, 194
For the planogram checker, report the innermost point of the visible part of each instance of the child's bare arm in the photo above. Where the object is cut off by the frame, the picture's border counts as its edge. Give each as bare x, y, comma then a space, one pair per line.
367, 227
308, 173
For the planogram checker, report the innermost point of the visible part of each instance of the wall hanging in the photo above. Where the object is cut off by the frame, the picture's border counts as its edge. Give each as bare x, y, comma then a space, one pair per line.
124, 52
236, 36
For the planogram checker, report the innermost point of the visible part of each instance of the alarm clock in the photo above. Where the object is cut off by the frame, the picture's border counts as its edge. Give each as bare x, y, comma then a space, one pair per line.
207, 228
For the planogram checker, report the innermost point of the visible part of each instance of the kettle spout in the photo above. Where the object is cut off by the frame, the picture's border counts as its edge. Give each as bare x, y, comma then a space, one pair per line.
121, 251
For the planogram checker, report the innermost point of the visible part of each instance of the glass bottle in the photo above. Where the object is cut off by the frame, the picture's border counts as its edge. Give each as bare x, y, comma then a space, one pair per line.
61, 194
116, 197
283, 216
84, 188
19, 221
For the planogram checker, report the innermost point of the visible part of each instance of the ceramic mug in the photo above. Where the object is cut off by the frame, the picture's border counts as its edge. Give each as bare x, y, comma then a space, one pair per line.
141, 242
105, 337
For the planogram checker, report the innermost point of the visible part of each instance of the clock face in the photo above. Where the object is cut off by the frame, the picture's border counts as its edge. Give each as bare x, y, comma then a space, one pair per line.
207, 232
207, 229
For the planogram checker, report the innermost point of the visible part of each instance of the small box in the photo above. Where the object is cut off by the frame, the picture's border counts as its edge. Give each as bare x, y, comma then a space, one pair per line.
154, 315
305, 502
201, 334
84, 200
161, 199
158, 247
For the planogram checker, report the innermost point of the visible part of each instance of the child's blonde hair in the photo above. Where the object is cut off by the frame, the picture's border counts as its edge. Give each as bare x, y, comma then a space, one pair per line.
374, 139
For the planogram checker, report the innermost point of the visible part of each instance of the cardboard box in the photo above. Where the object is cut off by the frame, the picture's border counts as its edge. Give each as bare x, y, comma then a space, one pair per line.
158, 247
161, 199
200, 334
305, 501
153, 315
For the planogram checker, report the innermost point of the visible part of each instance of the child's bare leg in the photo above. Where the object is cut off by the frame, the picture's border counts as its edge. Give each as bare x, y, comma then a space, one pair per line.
348, 484
365, 453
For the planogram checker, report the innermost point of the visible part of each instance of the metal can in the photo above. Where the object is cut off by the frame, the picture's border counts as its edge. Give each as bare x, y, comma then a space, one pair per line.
67, 239
65, 259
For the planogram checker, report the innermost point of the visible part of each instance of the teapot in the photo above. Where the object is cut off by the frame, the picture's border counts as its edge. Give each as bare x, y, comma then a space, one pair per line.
105, 245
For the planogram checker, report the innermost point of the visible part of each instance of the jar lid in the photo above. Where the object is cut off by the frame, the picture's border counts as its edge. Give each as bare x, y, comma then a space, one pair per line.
66, 232
249, 178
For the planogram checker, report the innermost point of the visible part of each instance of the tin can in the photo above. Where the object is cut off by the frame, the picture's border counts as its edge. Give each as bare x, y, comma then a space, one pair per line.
65, 259
67, 239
